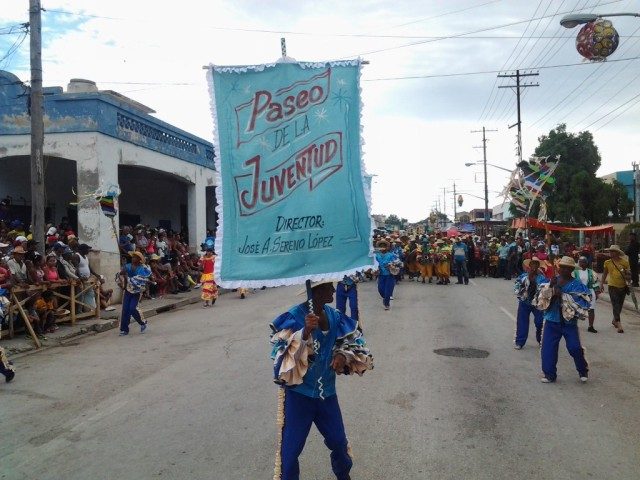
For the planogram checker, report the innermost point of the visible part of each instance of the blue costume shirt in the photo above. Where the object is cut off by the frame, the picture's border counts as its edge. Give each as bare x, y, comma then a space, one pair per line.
384, 259
320, 379
579, 294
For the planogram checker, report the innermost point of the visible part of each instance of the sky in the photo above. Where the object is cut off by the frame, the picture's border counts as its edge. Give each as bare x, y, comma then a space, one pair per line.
417, 131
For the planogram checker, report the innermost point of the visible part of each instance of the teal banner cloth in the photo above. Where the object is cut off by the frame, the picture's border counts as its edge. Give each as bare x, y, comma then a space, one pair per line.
293, 195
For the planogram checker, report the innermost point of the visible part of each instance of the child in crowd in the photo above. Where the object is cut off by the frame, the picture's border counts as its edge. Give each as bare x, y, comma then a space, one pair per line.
209, 288
45, 307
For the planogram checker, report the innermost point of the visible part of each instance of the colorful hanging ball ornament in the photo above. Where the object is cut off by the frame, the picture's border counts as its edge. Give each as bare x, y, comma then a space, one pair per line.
597, 40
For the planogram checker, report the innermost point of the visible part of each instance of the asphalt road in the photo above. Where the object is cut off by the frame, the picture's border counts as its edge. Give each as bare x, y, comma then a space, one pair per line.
193, 398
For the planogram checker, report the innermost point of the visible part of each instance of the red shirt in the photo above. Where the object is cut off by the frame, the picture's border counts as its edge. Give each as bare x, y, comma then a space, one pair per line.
207, 264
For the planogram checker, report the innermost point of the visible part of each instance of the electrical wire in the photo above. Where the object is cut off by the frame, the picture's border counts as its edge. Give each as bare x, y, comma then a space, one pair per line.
498, 92
618, 115
613, 111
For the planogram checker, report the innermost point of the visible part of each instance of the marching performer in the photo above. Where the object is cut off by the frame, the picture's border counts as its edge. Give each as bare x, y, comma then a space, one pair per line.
526, 287
426, 263
590, 280
564, 301
388, 268
309, 350
347, 288
209, 288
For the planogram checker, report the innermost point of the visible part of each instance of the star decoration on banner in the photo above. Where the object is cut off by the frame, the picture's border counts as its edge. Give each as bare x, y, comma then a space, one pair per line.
341, 99
264, 143
247, 89
321, 115
342, 82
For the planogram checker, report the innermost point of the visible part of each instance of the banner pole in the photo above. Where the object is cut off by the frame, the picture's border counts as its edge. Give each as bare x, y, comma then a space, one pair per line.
309, 295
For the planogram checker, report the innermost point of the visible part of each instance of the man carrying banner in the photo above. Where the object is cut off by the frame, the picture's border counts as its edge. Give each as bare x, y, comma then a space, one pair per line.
309, 349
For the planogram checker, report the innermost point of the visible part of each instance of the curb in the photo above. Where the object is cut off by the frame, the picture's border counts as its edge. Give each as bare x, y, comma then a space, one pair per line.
99, 326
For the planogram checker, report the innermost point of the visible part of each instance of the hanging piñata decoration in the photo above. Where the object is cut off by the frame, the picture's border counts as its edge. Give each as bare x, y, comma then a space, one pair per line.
597, 40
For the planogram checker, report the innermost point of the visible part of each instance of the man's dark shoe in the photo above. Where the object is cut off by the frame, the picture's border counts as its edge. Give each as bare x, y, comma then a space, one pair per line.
9, 375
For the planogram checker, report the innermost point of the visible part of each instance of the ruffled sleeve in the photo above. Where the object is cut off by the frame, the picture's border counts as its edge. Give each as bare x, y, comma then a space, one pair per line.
542, 300
290, 354
353, 346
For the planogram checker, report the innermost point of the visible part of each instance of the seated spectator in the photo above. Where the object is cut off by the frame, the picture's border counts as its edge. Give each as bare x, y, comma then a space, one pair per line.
162, 246
52, 236
17, 267
124, 242
105, 296
32, 315
46, 307
182, 282
17, 229
68, 260
151, 245
35, 269
50, 269
159, 277
5, 274
141, 240
32, 251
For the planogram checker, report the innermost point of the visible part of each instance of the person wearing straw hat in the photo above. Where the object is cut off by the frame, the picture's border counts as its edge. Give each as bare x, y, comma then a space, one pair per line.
589, 279
564, 301
386, 281
616, 275
309, 348
136, 275
526, 287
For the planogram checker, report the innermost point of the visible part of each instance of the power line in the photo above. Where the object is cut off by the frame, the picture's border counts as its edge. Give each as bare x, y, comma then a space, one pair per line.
486, 72
443, 14
618, 115
612, 111
486, 29
505, 65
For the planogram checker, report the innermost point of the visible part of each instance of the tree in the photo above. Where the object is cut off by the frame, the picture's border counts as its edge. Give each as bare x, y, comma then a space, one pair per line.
578, 196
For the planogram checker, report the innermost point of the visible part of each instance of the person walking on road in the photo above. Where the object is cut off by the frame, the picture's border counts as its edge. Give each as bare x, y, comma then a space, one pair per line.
632, 251
564, 300
307, 392
590, 280
347, 289
616, 274
460, 251
526, 287
386, 281
136, 275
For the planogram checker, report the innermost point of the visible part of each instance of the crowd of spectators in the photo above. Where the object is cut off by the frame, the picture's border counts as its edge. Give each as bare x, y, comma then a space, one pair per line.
63, 261
173, 269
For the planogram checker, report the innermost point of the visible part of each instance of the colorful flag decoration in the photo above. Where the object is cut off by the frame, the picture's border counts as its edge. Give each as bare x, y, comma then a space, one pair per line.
293, 195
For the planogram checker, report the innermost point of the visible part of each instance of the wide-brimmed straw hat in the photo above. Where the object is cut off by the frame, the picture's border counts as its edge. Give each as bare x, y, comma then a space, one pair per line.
382, 243
541, 263
616, 248
567, 261
139, 255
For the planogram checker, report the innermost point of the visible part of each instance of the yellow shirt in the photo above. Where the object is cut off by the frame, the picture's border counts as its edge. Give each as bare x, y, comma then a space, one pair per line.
614, 277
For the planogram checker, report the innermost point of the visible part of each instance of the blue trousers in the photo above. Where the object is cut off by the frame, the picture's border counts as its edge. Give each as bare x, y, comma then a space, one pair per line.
300, 412
461, 270
342, 294
551, 334
386, 283
130, 309
522, 323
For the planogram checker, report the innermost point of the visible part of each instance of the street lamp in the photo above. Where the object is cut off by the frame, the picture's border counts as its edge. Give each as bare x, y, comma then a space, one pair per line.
574, 19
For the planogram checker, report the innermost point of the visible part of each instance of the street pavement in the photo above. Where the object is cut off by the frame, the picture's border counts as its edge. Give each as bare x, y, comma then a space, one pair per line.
193, 397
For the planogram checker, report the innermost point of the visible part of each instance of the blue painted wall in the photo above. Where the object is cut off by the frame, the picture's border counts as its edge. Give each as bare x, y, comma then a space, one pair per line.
626, 178
98, 112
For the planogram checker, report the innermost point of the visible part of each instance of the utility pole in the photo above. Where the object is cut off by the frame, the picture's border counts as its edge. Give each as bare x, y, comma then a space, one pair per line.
455, 200
519, 86
444, 206
486, 183
636, 192
37, 123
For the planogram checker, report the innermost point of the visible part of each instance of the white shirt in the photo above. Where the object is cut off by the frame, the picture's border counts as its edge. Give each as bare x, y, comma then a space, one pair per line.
83, 267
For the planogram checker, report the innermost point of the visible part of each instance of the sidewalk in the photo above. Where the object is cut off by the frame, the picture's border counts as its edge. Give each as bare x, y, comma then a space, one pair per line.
21, 343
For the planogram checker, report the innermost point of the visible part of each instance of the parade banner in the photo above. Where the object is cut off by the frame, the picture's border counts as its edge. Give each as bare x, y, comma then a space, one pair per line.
292, 192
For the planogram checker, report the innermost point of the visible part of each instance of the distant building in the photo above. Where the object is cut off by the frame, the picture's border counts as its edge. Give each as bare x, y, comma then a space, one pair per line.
463, 217
625, 177
501, 211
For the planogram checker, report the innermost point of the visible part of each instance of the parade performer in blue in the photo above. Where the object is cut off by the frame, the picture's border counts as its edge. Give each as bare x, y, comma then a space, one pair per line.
136, 275
309, 350
347, 288
565, 300
387, 261
526, 288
